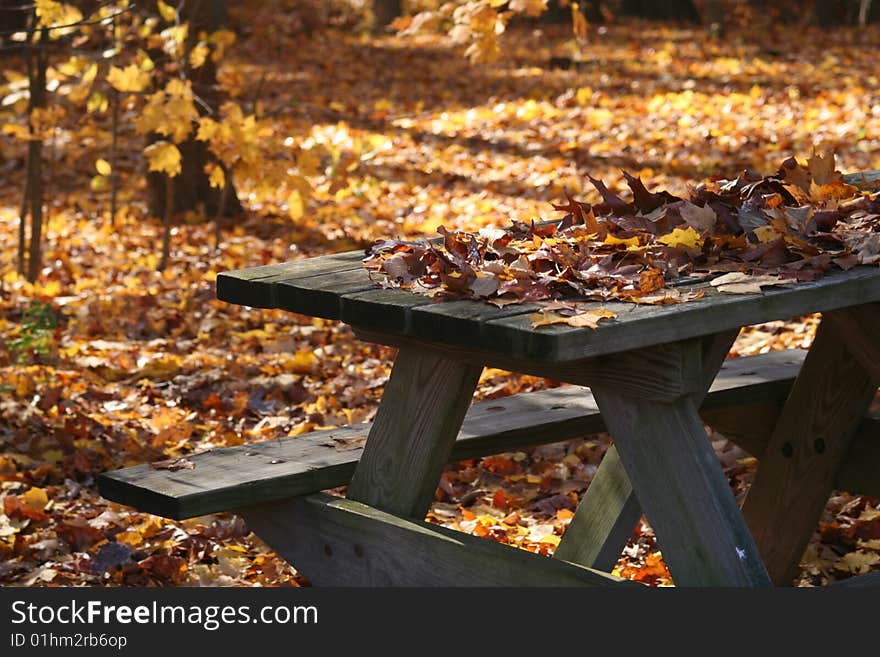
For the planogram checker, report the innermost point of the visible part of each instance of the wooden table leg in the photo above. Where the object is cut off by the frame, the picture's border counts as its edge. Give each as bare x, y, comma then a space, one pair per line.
609, 509
410, 441
677, 478
796, 472
422, 409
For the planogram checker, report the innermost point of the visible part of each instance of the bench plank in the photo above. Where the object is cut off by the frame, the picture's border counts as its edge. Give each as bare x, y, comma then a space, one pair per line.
341, 542
231, 477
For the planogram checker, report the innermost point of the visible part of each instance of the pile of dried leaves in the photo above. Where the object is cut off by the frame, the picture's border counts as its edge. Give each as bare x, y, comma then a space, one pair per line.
758, 231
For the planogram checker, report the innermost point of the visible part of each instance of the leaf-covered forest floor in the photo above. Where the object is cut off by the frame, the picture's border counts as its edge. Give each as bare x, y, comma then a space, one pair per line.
144, 365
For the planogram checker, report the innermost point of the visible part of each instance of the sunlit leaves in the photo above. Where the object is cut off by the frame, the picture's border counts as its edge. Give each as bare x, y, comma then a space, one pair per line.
132, 78
166, 11
164, 157
169, 111
59, 16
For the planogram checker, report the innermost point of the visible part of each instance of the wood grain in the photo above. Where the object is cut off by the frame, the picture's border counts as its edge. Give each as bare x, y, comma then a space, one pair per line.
858, 327
809, 443
421, 412
661, 372
609, 509
341, 542
605, 518
255, 286
683, 491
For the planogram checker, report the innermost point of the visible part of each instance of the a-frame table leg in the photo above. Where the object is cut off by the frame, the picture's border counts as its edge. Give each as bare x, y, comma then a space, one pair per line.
796, 472
684, 493
609, 509
421, 412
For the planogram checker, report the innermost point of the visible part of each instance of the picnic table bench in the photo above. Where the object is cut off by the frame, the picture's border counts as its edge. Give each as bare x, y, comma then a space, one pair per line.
651, 378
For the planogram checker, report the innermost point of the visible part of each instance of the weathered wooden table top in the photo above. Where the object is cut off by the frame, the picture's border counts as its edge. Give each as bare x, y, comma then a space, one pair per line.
339, 287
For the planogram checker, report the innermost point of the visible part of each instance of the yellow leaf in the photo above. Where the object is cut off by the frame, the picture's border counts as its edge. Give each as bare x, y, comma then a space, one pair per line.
97, 103
208, 129
832, 191
295, 207
35, 499
766, 233
164, 157
550, 539
302, 362
103, 167
198, 55
588, 319
98, 183
130, 79
170, 112
687, 238
217, 178
51, 13
166, 11
628, 242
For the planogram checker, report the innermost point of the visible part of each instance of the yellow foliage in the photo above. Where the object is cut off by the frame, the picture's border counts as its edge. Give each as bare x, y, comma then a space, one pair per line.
166, 11
198, 55
295, 206
169, 112
687, 238
164, 157
216, 177
130, 79
55, 14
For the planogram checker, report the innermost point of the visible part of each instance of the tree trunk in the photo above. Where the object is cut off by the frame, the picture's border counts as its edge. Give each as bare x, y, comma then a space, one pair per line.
37, 65
385, 11
714, 17
669, 9
192, 191
825, 13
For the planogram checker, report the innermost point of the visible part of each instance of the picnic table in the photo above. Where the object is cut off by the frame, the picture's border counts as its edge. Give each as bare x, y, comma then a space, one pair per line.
654, 374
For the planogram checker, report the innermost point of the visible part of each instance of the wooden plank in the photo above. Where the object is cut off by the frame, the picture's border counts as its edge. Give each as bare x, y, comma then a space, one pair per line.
866, 180
749, 426
797, 471
860, 471
382, 309
247, 474
675, 368
605, 517
341, 542
421, 412
677, 478
229, 477
859, 581
686, 497
858, 327
319, 296
609, 510
643, 326
255, 286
